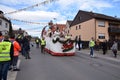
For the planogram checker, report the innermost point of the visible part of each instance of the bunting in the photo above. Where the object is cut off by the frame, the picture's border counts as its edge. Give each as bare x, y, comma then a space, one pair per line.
28, 21
30, 7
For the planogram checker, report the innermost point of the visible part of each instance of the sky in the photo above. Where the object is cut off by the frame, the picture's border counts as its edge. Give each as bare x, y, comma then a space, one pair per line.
59, 11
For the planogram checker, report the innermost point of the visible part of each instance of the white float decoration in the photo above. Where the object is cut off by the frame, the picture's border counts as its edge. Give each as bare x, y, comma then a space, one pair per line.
56, 45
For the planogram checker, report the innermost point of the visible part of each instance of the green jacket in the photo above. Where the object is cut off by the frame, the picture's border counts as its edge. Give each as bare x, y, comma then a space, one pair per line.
43, 42
91, 43
5, 48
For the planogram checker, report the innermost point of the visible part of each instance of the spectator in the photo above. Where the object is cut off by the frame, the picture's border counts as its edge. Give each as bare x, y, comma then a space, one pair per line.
5, 57
17, 49
97, 45
104, 47
43, 44
79, 43
91, 45
26, 47
37, 41
114, 48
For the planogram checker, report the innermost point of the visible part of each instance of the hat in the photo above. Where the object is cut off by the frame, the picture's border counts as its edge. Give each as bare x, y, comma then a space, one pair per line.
6, 37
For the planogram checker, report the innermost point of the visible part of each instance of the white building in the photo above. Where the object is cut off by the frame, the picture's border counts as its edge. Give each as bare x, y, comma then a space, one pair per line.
4, 24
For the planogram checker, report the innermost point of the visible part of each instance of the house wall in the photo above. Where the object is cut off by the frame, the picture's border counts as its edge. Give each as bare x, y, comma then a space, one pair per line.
103, 30
3, 27
90, 29
86, 31
67, 27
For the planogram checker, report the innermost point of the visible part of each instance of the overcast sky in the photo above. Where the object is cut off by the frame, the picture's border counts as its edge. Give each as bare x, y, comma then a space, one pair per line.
62, 10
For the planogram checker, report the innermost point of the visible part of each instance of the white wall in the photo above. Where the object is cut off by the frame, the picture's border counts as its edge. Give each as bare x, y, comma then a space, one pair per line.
3, 27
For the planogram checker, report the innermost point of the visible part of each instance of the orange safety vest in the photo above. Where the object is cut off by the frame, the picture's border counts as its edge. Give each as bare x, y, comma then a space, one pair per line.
17, 48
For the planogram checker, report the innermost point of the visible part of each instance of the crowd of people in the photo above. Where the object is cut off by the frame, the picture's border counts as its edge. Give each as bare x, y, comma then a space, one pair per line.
104, 46
97, 45
10, 49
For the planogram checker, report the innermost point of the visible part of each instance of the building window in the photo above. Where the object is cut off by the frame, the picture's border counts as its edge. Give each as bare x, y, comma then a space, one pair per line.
101, 23
6, 25
101, 36
0, 22
79, 26
76, 27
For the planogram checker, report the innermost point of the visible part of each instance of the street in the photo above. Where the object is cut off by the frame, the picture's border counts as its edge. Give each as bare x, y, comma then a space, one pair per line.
78, 67
81, 39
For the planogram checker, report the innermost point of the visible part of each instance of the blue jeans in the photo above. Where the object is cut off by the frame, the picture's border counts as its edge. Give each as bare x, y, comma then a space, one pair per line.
91, 51
4, 67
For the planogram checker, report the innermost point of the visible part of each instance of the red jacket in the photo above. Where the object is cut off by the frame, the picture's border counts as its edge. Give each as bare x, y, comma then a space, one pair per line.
17, 47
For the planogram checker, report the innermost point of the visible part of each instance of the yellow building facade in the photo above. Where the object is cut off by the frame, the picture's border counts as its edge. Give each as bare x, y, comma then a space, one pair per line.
88, 24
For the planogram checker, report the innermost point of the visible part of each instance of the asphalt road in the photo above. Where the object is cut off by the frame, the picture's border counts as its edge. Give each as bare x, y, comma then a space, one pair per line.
78, 67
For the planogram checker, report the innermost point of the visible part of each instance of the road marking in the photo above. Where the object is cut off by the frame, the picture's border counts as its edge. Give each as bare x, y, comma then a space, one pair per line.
13, 74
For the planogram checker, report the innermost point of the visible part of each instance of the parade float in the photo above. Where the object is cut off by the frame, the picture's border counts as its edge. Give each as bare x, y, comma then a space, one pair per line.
58, 44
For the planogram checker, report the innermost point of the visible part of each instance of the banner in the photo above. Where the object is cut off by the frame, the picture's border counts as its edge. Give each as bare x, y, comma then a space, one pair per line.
30, 7
28, 21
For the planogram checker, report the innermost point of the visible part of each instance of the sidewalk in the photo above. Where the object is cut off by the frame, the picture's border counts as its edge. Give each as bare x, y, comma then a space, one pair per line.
107, 56
12, 74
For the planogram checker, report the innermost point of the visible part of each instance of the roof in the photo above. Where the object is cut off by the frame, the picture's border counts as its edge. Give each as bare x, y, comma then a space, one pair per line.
102, 16
2, 17
61, 27
69, 21
85, 15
